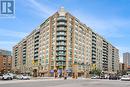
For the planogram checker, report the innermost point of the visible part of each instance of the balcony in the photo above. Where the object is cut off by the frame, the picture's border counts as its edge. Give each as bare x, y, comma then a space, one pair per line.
61, 29
37, 33
104, 46
94, 37
61, 24
61, 49
61, 34
60, 19
105, 43
24, 46
61, 44
105, 52
36, 37
93, 50
36, 49
61, 54
94, 55
36, 44
35, 57
61, 59
24, 56
93, 41
61, 64
60, 39
36, 41
24, 50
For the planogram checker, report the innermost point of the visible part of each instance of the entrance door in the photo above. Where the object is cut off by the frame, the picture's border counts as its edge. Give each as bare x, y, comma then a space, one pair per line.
35, 72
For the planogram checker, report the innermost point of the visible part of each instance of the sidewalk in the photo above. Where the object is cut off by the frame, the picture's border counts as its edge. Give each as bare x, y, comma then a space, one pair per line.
23, 81
52, 78
49, 78
36, 79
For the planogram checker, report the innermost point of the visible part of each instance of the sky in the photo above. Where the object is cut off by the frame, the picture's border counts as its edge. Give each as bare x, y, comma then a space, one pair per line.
109, 18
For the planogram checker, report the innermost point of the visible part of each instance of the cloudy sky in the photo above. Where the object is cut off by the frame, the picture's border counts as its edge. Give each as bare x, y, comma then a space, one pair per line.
109, 18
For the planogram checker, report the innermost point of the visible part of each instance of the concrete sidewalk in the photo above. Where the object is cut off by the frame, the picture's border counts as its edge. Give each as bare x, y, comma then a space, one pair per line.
23, 81
53, 78
37, 79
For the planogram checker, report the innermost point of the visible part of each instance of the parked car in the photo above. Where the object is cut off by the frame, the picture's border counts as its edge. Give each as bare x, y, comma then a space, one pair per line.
95, 77
1, 76
103, 77
23, 77
125, 78
7, 77
13, 75
114, 77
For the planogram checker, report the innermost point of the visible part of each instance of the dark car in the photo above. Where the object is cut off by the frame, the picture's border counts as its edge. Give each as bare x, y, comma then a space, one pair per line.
114, 77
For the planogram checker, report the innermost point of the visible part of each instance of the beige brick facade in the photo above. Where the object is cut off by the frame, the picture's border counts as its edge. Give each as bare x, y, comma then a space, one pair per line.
63, 43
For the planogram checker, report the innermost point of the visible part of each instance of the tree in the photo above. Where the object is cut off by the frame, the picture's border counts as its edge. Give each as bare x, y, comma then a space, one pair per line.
96, 72
124, 72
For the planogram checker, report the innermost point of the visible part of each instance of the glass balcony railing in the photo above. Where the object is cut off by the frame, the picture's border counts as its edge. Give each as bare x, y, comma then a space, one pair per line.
61, 49
61, 19
61, 24
61, 34
60, 54
61, 64
61, 38
61, 29
61, 43
60, 59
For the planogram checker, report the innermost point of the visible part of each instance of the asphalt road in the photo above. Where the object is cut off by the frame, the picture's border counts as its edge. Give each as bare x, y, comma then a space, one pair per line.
68, 83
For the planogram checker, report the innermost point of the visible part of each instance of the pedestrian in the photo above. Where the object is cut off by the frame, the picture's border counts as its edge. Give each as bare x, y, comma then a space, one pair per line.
65, 76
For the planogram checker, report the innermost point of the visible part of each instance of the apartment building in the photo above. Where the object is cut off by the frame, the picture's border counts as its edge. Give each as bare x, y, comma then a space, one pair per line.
122, 67
5, 61
64, 44
126, 60
104, 55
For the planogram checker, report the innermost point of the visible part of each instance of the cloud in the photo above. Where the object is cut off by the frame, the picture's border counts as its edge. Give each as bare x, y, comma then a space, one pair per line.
7, 42
39, 9
7, 45
10, 33
11, 37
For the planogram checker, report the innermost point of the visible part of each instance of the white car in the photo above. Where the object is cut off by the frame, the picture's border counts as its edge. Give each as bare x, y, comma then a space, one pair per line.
12, 75
7, 77
125, 78
95, 77
23, 77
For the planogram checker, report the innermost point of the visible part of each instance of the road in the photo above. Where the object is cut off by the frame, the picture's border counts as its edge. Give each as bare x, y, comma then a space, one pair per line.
66, 83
